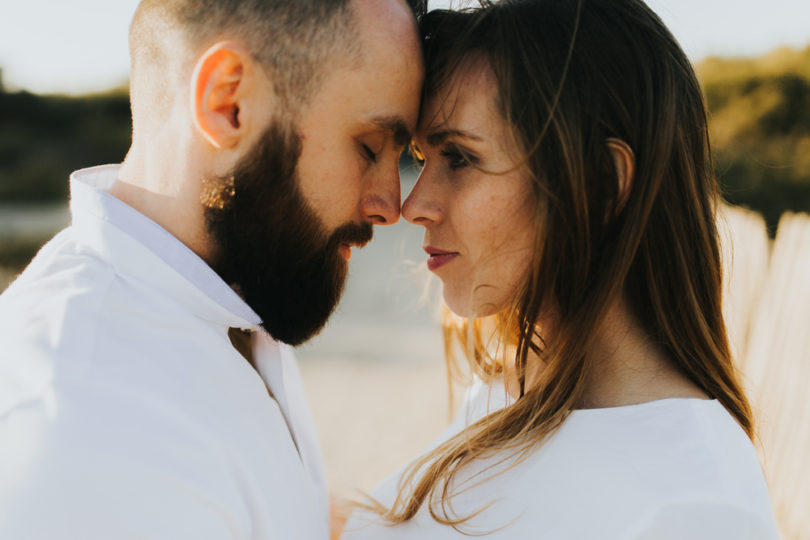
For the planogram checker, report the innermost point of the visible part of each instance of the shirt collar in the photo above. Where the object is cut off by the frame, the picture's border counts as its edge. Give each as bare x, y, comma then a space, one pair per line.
138, 246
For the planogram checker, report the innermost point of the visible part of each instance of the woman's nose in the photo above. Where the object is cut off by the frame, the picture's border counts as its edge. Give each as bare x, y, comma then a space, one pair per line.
422, 207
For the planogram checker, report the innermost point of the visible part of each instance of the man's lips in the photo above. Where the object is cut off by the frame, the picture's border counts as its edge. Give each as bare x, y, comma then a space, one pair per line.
439, 257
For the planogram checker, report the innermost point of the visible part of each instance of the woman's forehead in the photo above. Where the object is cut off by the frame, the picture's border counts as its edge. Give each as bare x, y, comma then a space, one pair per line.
467, 100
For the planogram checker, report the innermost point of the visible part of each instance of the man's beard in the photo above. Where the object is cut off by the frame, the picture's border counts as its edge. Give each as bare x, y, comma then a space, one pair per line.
271, 246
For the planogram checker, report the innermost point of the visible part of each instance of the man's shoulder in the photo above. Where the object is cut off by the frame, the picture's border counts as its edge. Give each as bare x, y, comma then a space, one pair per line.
63, 284
89, 454
62, 268
44, 316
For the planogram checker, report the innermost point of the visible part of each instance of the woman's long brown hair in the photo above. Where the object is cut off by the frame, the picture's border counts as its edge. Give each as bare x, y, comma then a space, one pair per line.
572, 74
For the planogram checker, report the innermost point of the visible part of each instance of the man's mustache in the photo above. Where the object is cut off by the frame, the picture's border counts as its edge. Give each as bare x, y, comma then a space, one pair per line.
358, 234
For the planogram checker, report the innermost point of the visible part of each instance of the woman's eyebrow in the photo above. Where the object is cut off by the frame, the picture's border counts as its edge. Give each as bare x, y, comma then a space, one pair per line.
438, 137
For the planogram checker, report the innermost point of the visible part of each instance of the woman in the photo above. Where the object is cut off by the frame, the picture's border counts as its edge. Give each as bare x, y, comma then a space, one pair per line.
568, 201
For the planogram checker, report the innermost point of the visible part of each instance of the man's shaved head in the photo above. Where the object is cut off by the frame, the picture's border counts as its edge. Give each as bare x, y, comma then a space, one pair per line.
296, 41
292, 39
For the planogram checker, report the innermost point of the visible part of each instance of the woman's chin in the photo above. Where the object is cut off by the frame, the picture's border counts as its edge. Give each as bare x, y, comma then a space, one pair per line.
465, 308
455, 304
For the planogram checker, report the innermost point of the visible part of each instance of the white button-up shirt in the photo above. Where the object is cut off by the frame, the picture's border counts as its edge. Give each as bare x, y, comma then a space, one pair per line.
125, 412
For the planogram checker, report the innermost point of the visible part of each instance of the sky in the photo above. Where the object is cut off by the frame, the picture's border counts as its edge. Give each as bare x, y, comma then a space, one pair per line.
79, 46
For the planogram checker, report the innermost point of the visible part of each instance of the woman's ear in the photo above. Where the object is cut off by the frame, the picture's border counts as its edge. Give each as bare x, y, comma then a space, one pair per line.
218, 93
624, 160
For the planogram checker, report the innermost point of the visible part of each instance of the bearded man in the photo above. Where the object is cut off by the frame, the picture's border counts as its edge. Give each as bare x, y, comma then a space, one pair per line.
147, 388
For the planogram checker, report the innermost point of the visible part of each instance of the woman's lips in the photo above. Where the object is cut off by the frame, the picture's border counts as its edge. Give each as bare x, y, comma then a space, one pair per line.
439, 257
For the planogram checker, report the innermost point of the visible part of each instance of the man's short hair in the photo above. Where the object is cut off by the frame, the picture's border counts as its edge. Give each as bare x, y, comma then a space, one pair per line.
295, 40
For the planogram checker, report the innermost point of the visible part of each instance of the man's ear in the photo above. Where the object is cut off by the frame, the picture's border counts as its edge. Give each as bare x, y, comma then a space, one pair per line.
624, 160
219, 93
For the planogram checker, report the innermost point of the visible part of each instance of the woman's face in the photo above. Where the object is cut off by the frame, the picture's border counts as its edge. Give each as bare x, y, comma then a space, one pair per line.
473, 196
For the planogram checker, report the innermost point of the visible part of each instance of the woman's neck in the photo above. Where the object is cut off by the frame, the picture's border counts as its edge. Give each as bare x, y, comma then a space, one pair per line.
628, 367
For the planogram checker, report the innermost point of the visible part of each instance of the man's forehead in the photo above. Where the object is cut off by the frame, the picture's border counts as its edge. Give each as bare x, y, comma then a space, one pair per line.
383, 92
387, 28
374, 12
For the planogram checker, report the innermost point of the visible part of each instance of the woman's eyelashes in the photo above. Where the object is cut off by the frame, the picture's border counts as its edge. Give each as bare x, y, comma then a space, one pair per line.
457, 158
454, 157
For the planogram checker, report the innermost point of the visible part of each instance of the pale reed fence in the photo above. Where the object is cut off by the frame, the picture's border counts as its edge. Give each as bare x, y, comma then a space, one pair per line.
767, 310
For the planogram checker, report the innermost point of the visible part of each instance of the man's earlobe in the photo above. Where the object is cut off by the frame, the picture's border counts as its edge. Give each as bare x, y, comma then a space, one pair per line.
624, 161
217, 94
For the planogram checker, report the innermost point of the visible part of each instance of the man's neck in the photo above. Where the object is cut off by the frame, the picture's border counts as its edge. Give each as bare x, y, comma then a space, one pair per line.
164, 190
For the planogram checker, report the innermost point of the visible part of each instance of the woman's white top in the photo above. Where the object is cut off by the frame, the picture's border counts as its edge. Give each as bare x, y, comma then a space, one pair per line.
662, 470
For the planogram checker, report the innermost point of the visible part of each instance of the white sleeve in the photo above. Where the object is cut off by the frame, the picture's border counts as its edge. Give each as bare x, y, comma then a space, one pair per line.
130, 470
703, 521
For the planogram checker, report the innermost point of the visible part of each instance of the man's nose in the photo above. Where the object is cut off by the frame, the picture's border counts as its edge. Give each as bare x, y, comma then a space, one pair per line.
381, 204
422, 207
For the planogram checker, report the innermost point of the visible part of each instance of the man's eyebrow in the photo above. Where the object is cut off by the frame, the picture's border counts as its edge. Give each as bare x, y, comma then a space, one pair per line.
438, 137
397, 126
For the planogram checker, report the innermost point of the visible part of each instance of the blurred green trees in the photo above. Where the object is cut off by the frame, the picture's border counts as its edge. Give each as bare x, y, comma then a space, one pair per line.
760, 127
759, 120
44, 138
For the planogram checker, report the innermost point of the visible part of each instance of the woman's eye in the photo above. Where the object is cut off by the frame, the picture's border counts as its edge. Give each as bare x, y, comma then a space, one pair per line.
456, 159
369, 154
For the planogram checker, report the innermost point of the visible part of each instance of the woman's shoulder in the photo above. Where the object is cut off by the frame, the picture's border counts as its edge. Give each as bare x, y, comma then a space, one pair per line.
678, 449
631, 470
623, 472
702, 520
683, 444
644, 465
